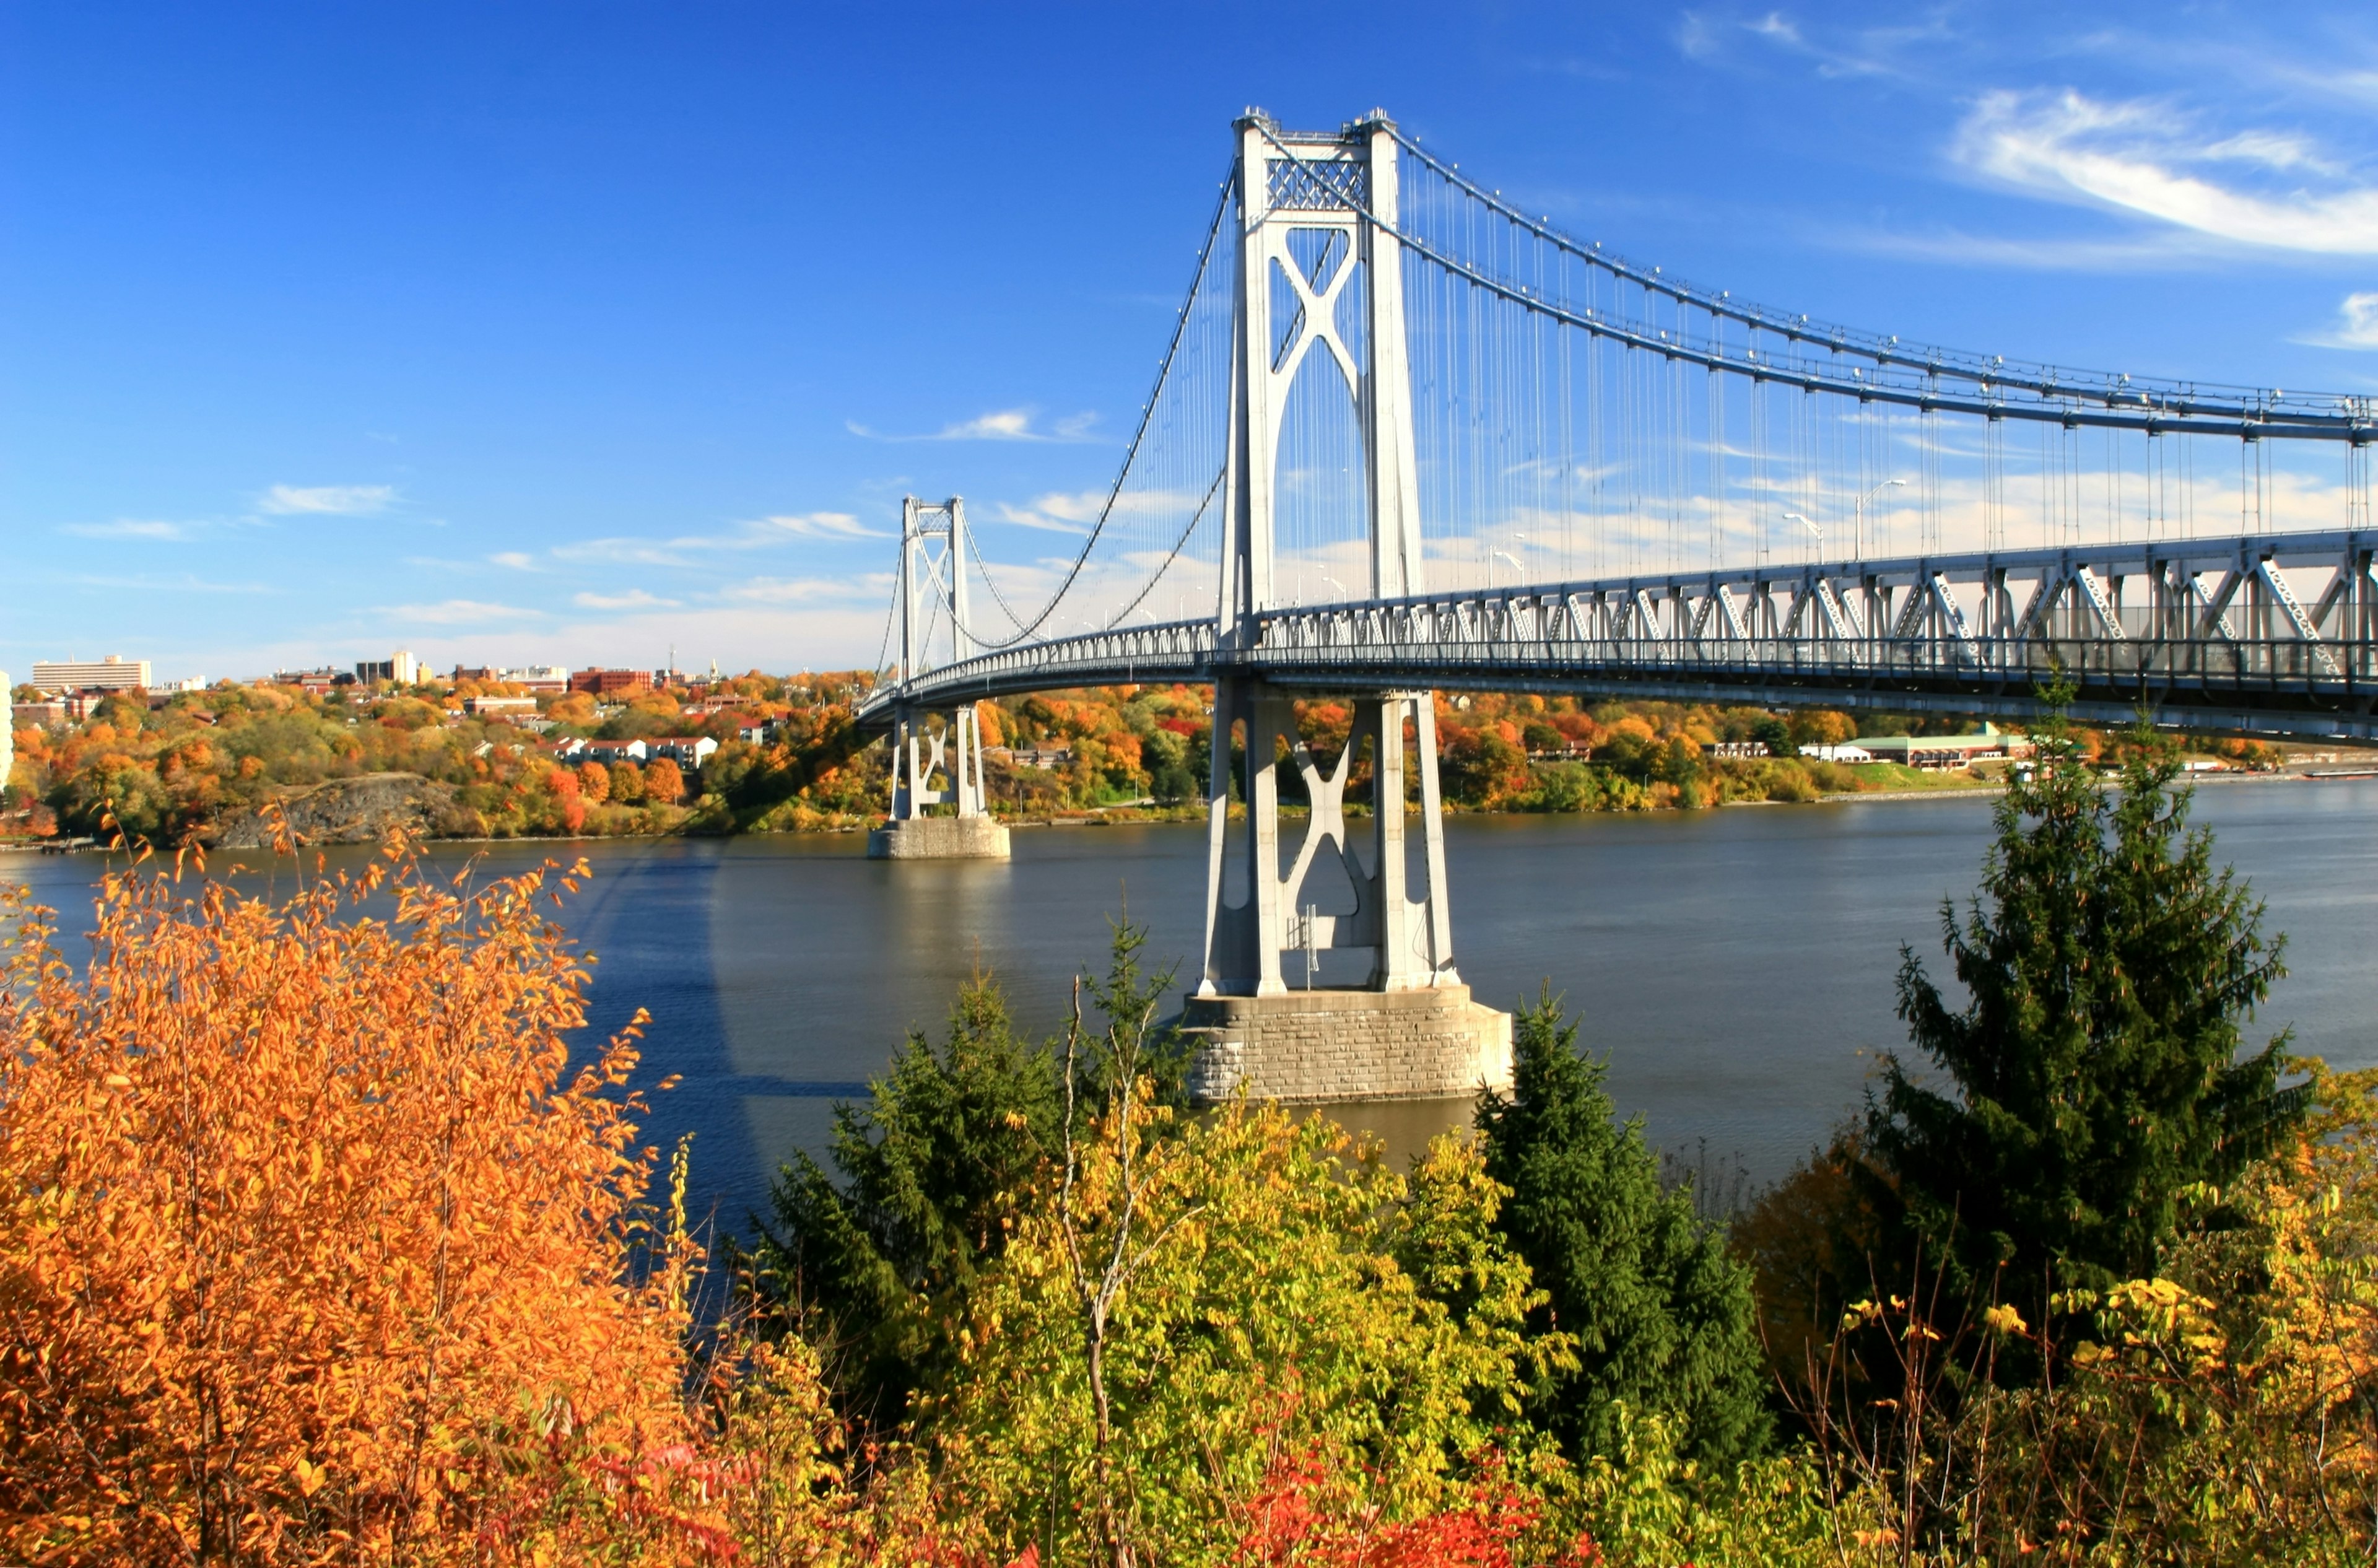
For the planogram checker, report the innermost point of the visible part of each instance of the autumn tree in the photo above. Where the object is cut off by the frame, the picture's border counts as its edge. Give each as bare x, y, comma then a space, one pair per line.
664, 782
1288, 1296
317, 1240
593, 782
1820, 726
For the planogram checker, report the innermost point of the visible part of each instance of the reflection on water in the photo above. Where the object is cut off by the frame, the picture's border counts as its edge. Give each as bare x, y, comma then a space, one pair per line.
1735, 966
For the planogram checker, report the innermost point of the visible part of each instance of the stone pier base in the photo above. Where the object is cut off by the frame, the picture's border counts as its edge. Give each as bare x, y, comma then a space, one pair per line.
938, 838
1314, 1046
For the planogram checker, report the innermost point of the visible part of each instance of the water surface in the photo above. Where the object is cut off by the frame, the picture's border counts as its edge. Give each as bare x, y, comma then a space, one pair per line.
1734, 965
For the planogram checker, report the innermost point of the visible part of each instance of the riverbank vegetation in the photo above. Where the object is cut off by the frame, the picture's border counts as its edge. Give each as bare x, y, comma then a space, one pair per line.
204, 766
327, 1237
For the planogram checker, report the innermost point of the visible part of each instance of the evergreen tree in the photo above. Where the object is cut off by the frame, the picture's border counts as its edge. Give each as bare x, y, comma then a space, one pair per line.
932, 1166
1661, 1312
2095, 1063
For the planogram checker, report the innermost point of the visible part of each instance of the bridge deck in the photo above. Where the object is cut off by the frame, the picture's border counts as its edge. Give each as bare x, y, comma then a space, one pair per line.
2275, 634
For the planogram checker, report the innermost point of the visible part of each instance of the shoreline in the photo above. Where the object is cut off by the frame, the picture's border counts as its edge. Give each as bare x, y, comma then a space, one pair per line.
1098, 818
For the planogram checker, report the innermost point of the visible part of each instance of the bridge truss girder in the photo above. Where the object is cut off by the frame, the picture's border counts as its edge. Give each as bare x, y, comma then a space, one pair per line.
2271, 634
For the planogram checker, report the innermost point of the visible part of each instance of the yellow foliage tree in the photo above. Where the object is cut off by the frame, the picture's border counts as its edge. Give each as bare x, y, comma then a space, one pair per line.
313, 1242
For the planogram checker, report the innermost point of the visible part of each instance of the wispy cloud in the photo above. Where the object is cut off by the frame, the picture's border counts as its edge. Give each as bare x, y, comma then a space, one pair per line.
2155, 250
2148, 157
2355, 328
807, 525
171, 584
1056, 512
336, 500
519, 560
634, 599
803, 590
1001, 424
132, 528
757, 533
458, 612
1833, 52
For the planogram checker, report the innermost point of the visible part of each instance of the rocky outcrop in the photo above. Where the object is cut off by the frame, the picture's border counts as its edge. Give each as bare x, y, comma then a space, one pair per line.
356, 811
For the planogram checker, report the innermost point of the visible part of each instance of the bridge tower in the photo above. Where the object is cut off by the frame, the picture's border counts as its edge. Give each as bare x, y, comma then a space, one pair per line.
935, 765
1313, 212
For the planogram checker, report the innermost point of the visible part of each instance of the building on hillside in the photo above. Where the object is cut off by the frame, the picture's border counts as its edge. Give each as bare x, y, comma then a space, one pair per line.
471, 672
685, 750
757, 734
605, 683
115, 673
1842, 753
607, 752
541, 680
1938, 753
47, 711
399, 669
491, 707
317, 682
1030, 756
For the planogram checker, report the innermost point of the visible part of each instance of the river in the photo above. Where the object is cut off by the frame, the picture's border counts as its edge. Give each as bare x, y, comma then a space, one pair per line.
1735, 966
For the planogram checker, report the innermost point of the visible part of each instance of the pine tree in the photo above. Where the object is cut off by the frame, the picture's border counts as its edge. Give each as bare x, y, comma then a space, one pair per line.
933, 1164
2095, 1063
1661, 1312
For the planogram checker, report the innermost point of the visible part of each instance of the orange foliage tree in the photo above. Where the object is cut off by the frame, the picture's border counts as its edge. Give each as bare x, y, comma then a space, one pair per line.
315, 1243
664, 782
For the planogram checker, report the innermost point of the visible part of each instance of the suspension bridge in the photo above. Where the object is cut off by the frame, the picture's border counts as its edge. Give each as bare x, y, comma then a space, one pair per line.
1407, 437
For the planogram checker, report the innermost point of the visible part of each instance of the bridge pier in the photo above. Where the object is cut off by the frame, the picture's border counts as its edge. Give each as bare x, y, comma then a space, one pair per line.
1274, 1015
933, 767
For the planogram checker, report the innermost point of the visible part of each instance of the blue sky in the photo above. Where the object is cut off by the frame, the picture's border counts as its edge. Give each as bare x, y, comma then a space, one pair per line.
575, 332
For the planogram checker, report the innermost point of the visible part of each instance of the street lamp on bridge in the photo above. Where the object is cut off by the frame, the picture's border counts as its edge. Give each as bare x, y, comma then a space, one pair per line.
1857, 529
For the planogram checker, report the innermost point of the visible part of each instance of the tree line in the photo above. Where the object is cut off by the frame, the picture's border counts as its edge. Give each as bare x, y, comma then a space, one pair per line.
177, 769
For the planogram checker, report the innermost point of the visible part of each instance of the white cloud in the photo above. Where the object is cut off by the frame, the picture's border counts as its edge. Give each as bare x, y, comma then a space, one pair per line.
2164, 248
757, 533
519, 560
184, 584
634, 599
457, 612
131, 528
338, 500
1056, 512
811, 525
2357, 325
1001, 425
803, 590
2143, 156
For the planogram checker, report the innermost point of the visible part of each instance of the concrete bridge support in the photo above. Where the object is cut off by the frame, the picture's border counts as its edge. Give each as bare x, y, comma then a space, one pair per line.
1327, 976
1330, 977
933, 767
